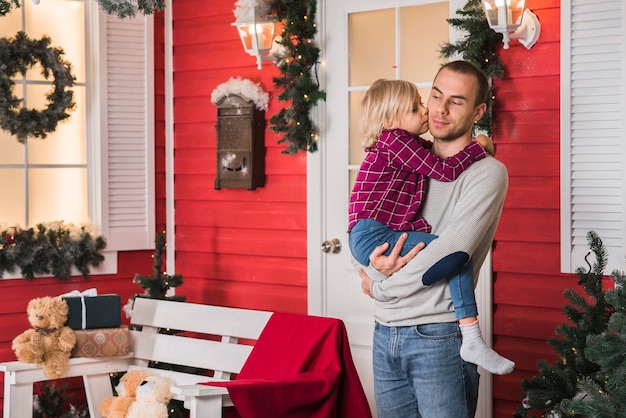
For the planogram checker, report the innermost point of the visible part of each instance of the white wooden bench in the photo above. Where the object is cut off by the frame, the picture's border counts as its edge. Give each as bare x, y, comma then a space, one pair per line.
213, 346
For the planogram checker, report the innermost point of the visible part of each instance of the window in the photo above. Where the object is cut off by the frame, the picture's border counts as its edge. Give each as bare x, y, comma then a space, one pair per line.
98, 166
593, 134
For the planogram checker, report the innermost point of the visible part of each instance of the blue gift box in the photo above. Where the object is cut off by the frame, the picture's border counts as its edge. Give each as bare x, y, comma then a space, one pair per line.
90, 312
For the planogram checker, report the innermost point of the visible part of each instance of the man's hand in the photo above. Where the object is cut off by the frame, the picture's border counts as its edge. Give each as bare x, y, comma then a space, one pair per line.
393, 262
366, 283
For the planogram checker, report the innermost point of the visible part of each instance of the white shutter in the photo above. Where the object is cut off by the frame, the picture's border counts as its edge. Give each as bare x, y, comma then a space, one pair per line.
128, 169
593, 135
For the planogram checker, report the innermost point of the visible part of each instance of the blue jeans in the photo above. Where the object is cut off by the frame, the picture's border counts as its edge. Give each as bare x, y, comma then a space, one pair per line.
368, 234
418, 373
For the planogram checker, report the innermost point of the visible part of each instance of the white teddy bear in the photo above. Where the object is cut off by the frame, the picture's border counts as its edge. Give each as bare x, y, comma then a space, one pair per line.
152, 398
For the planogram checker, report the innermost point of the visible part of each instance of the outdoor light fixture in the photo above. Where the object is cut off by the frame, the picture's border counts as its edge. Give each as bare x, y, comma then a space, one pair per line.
256, 30
513, 21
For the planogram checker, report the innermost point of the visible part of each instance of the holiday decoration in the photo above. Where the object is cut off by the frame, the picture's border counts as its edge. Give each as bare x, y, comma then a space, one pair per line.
575, 372
7, 5
17, 55
243, 87
50, 401
603, 395
88, 310
102, 342
158, 285
50, 248
479, 46
129, 8
298, 84
48, 342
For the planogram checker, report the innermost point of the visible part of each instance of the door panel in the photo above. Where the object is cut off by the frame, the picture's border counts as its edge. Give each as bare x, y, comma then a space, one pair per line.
364, 41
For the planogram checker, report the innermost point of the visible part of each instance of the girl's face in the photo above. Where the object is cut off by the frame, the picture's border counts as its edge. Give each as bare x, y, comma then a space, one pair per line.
416, 121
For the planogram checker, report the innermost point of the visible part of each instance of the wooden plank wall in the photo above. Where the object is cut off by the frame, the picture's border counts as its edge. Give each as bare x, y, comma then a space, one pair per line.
235, 247
528, 285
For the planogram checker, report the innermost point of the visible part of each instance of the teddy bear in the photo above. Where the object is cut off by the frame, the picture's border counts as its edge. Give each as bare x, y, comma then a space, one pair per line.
117, 406
153, 396
49, 341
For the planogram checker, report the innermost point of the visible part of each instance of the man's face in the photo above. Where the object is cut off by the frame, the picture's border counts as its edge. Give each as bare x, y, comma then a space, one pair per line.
451, 106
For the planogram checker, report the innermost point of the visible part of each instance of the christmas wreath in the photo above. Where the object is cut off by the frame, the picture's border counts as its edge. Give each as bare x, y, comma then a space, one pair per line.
18, 55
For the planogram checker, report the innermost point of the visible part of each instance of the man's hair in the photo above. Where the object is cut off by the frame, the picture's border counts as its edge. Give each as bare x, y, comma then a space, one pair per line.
466, 67
386, 101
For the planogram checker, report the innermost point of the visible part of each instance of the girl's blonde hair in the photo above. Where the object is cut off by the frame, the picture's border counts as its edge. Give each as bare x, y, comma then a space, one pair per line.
386, 102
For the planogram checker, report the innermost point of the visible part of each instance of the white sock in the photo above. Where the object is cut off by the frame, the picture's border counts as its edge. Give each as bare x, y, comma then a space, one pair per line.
474, 350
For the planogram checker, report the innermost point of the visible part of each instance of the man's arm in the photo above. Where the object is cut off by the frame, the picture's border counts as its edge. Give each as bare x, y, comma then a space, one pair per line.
388, 265
475, 211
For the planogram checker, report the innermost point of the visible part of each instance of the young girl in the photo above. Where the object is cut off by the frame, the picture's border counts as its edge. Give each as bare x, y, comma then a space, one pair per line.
389, 189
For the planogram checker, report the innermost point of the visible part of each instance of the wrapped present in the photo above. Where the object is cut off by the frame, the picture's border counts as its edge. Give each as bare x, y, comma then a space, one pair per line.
102, 342
88, 310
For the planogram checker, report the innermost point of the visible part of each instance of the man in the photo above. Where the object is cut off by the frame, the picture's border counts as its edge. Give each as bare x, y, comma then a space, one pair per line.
418, 371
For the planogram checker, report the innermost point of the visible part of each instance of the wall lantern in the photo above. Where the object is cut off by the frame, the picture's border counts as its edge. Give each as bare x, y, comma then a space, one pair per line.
513, 21
255, 26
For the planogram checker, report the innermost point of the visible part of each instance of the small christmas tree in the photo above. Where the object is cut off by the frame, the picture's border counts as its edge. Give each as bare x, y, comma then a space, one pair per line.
158, 285
589, 316
605, 397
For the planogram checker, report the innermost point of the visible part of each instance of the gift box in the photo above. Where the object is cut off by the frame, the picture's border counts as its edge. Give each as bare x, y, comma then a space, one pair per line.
102, 342
90, 312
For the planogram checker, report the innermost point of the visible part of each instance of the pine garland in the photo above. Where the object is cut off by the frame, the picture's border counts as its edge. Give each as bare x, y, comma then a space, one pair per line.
129, 8
7, 5
479, 46
52, 248
298, 84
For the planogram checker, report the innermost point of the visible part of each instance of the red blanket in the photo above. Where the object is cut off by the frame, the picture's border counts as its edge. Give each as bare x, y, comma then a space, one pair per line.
301, 366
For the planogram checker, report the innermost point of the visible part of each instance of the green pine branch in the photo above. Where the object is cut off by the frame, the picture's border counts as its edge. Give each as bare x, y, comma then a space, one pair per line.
298, 83
479, 46
556, 384
157, 285
50, 249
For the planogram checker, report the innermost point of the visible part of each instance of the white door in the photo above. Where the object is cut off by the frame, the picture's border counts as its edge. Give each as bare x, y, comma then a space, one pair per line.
361, 41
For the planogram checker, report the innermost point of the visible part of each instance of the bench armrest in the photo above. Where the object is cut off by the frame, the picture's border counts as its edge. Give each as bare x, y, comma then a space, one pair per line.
203, 401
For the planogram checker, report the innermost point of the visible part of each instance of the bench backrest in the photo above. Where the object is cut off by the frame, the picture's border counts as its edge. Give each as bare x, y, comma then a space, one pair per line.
205, 337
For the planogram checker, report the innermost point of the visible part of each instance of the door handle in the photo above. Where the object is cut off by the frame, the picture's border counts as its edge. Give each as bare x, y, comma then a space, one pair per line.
332, 246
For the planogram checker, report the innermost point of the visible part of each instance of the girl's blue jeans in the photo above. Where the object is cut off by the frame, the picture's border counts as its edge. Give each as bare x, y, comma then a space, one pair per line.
368, 234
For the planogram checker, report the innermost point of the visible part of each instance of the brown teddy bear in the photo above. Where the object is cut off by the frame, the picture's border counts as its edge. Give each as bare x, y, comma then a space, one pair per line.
117, 406
49, 341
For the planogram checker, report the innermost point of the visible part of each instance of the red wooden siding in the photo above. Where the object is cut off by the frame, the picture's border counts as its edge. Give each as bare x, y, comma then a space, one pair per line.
528, 285
234, 247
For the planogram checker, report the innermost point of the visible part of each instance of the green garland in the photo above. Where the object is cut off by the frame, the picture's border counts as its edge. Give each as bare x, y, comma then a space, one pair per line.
129, 8
298, 65
479, 47
7, 5
18, 55
52, 248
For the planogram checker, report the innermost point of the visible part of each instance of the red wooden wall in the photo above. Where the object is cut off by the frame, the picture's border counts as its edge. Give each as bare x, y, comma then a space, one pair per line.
528, 285
234, 247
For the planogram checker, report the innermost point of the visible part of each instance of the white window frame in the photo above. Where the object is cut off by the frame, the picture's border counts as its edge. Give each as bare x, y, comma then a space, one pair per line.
593, 130
120, 132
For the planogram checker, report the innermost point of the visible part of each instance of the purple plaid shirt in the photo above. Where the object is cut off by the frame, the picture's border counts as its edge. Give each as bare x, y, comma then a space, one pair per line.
391, 182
